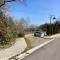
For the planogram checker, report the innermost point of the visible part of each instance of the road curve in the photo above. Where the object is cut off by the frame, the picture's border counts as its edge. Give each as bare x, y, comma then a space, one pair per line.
48, 52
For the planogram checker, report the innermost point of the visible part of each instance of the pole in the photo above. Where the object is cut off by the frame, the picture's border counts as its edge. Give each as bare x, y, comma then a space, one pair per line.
50, 25
51, 17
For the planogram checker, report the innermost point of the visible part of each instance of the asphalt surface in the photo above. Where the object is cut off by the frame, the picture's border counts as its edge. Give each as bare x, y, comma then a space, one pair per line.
49, 52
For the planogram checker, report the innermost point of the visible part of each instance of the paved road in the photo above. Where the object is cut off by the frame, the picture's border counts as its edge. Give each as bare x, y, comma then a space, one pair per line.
48, 52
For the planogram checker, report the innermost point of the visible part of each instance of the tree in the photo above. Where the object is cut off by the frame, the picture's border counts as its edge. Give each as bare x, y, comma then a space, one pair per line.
23, 24
7, 29
3, 2
11, 25
3, 29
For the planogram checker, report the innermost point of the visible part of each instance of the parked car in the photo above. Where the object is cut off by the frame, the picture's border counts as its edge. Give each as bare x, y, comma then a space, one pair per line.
39, 34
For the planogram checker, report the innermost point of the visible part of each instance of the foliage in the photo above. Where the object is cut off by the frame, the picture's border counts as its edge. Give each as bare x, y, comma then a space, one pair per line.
7, 29
52, 28
22, 25
11, 25
21, 34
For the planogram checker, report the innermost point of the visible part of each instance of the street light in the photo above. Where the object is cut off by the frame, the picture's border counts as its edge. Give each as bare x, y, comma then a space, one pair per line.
51, 17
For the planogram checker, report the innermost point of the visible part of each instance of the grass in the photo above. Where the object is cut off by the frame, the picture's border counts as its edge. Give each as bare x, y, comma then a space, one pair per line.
14, 58
35, 41
32, 41
29, 45
47, 37
9, 44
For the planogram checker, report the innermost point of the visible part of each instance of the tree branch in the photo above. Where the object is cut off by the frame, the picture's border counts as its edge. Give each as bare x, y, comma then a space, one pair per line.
6, 2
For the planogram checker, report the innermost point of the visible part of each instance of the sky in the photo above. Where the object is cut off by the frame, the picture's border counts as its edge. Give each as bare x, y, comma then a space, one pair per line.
38, 11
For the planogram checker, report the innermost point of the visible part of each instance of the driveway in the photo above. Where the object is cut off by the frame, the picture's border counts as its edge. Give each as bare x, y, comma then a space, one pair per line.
48, 52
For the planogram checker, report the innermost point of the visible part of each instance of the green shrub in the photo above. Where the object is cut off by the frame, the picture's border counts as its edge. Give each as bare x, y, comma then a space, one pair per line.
21, 34
8, 30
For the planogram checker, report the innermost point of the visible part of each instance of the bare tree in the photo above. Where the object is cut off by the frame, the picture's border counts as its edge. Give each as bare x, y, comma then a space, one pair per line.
23, 23
3, 2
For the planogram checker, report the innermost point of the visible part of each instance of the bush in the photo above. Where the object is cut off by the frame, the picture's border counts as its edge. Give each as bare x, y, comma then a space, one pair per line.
8, 30
21, 34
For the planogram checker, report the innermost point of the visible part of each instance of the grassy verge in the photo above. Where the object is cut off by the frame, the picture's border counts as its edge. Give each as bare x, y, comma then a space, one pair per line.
47, 37
32, 41
29, 45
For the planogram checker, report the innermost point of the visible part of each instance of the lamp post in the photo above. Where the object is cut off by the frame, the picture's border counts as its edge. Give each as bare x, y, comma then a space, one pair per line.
51, 17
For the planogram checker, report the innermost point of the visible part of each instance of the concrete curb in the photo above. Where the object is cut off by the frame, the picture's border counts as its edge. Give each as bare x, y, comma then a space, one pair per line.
33, 49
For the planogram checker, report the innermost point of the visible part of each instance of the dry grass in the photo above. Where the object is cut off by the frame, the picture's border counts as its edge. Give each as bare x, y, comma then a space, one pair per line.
34, 41
29, 45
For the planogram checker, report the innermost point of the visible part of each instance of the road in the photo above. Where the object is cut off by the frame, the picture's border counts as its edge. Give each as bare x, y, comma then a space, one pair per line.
48, 52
